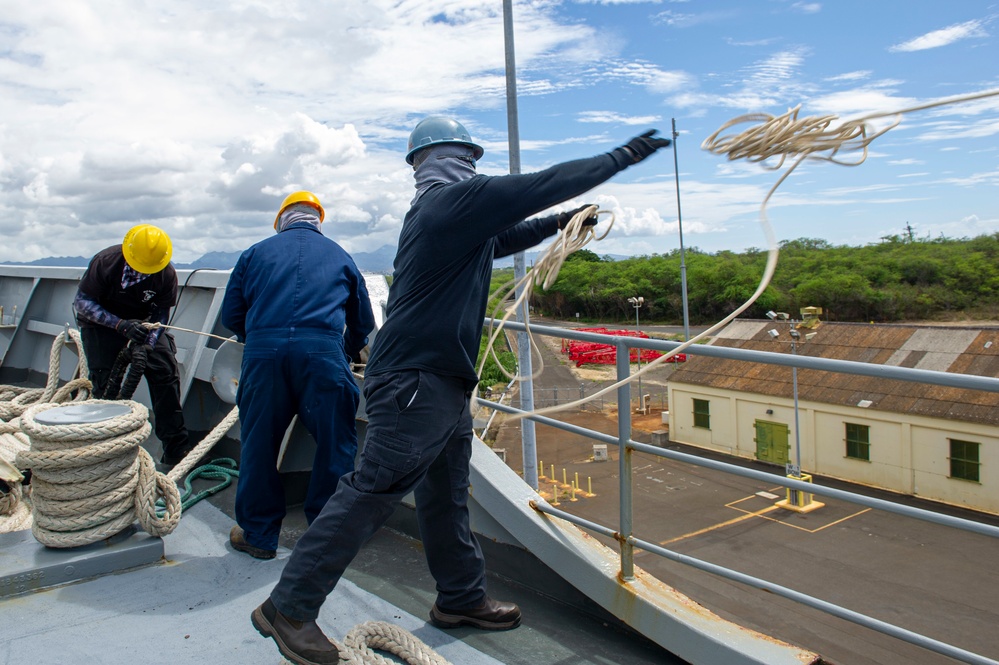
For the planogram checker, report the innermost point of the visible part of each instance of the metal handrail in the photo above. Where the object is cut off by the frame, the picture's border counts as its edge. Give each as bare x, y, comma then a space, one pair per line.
627, 446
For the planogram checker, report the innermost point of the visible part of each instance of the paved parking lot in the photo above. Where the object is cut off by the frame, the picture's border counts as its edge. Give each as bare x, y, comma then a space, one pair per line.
934, 580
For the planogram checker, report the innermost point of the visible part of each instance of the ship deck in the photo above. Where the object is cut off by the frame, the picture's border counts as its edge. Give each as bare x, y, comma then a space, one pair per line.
194, 606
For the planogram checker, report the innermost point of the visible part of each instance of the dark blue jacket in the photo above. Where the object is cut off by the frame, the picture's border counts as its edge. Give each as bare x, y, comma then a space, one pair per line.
440, 285
298, 280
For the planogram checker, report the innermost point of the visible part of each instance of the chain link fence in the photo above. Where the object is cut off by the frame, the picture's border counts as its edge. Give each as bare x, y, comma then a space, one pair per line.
556, 395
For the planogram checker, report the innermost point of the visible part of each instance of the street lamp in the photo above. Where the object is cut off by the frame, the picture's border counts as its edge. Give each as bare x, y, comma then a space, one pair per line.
794, 470
637, 302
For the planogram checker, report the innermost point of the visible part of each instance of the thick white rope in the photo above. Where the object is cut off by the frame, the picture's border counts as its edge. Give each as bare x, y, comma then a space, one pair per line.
15, 399
177, 473
90, 481
572, 238
359, 644
15, 509
780, 138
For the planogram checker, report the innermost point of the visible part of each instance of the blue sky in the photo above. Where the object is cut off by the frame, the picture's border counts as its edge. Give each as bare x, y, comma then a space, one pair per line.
199, 116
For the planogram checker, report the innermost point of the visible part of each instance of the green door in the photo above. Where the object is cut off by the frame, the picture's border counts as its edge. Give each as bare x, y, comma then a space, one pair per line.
771, 442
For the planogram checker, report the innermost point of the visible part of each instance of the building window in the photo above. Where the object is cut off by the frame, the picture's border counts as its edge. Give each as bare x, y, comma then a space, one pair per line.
964, 460
858, 441
702, 413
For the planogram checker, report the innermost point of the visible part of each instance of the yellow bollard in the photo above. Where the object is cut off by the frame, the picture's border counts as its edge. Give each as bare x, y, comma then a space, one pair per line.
553, 472
541, 469
555, 494
572, 496
589, 485
577, 479
564, 482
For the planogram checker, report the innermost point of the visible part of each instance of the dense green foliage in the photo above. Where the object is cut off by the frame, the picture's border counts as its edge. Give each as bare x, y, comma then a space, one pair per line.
491, 375
900, 278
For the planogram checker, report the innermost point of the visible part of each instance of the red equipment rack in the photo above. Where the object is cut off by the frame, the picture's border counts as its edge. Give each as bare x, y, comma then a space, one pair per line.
597, 353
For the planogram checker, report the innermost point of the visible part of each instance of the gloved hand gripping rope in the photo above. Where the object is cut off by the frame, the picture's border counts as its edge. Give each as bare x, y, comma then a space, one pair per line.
577, 231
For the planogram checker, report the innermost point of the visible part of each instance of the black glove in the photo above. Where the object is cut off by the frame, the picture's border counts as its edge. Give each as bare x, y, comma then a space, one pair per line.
643, 146
133, 329
565, 217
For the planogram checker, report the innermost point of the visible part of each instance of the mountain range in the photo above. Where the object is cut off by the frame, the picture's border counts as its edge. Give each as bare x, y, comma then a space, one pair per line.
378, 261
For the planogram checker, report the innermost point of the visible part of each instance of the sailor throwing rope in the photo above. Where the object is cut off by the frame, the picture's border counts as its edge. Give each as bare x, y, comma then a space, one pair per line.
419, 381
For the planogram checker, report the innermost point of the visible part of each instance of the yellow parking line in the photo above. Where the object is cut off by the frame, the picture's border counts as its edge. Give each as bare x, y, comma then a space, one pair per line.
747, 516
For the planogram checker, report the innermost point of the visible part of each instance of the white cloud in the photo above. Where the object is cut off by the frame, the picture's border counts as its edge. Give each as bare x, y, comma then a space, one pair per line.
851, 76
764, 84
674, 19
807, 7
618, 118
860, 101
943, 37
617, 2
200, 114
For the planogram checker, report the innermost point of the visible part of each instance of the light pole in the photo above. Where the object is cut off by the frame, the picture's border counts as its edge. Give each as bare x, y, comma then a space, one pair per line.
528, 439
679, 223
794, 470
637, 303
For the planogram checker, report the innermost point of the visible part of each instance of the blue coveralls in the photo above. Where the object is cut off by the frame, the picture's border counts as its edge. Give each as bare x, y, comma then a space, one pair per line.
302, 307
419, 378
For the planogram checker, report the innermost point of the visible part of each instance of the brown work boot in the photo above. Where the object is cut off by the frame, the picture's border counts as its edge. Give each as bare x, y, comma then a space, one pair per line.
301, 642
490, 615
238, 541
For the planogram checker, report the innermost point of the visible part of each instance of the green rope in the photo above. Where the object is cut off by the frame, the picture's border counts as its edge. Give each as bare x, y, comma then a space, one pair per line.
222, 469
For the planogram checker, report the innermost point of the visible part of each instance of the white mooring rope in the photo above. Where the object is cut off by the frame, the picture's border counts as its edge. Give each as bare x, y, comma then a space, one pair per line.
359, 643
90, 481
15, 509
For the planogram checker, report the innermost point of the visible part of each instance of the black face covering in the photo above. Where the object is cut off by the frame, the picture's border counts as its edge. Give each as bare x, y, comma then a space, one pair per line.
445, 163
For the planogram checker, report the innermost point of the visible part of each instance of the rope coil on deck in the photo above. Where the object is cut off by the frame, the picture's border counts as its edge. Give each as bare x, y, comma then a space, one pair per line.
92, 480
358, 645
15, 512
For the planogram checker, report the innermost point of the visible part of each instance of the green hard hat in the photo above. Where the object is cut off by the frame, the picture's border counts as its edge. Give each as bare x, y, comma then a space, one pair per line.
438, 129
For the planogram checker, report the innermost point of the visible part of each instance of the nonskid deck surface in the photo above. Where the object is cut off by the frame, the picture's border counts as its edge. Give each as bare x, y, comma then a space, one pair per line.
194, 607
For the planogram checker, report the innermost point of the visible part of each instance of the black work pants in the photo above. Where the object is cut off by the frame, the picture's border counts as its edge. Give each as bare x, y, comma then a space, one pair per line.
102, 346
419, 439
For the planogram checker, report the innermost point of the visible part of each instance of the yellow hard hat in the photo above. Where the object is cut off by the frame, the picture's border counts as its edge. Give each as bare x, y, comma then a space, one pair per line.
147, 248
308, 198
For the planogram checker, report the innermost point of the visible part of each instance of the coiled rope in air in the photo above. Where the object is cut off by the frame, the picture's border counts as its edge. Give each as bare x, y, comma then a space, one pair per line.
15, 511
777, 139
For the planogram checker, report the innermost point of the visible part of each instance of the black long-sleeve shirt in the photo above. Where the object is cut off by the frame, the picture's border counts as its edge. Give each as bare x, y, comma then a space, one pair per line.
440, 286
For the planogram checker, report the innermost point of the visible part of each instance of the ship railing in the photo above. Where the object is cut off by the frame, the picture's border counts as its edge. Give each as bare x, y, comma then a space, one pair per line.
624, 533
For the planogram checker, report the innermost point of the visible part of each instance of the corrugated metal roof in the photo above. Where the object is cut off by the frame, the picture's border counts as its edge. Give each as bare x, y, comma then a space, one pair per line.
963, 350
